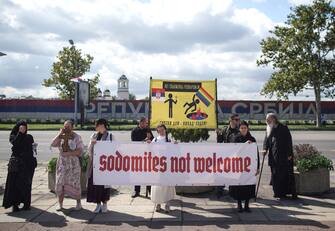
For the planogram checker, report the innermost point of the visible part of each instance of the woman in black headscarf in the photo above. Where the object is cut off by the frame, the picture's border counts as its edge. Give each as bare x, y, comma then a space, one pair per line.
244, 192
98, 194
21, 167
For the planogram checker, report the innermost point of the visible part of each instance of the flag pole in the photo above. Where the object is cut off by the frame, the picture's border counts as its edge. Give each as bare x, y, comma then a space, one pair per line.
149, 112
216, 103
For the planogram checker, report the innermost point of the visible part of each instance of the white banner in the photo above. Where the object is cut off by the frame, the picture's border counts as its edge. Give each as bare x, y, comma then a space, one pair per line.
182, 164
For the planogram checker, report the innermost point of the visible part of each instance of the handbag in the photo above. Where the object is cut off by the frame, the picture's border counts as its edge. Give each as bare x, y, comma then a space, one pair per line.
34, 162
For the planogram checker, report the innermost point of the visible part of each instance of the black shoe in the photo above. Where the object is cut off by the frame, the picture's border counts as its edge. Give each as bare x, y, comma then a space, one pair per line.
283, 198
239, 207
247, 209
26, 207
147, 192
15, 209
219, 194
135, 194
295, 197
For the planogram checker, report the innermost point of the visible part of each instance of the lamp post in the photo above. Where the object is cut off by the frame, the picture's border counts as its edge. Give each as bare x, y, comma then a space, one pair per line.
76, 85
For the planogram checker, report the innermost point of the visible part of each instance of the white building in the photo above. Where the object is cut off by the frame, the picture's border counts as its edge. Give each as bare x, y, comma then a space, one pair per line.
123, 88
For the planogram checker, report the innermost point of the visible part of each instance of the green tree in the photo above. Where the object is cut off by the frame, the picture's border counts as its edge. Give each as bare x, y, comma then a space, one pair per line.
132, 96
301, 53
70, 63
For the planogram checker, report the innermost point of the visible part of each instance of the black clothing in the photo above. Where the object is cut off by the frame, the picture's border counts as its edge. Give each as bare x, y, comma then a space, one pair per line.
21, 169
279, 146
140, 134
97, 193
243, 192
227, 135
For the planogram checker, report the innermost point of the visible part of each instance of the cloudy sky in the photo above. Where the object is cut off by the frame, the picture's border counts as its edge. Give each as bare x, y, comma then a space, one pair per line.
176, 39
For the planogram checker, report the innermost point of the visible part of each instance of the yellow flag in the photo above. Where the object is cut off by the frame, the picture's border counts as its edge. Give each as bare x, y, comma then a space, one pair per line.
183, 104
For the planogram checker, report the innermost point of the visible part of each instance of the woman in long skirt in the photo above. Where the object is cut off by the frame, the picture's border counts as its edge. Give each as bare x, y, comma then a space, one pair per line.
68, 168
162, 194
98, 194
244, 192
21, 168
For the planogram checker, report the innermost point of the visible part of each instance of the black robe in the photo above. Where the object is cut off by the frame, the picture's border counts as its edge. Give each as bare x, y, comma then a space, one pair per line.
243, 192
279, 147
21, 169
97, 193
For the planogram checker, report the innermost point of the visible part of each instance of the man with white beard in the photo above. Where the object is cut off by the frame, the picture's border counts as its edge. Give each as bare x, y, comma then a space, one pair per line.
278, 144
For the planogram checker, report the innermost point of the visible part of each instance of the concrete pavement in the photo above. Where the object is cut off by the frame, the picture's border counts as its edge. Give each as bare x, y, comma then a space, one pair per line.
201, 212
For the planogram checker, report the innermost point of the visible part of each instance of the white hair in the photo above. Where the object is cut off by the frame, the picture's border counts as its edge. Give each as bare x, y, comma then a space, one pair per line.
272, 115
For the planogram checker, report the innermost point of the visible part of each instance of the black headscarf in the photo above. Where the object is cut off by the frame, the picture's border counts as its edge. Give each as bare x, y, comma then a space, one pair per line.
15, 129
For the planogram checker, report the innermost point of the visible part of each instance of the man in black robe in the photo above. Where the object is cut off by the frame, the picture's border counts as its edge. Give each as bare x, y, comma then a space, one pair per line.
278, 145
141, 133
227, 135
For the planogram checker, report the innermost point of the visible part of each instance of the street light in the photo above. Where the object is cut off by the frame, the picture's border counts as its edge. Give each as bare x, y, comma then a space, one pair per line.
76, 86
2, 54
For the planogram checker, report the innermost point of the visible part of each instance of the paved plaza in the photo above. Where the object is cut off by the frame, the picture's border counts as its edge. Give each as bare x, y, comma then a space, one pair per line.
189, 212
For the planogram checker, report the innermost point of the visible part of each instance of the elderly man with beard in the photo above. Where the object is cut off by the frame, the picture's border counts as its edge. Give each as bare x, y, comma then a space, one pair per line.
278, 145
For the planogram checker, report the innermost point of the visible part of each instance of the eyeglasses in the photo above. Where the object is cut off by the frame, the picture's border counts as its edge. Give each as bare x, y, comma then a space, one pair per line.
236, 119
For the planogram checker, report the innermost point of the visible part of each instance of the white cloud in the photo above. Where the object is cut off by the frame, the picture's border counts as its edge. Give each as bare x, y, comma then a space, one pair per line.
162, 38
254, 19
300, 2
12, 92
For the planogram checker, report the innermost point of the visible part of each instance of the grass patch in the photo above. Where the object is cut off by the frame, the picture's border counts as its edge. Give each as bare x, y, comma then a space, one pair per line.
8, 126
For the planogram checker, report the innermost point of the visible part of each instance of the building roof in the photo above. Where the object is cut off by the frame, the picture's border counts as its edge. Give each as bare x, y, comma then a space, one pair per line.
123, 77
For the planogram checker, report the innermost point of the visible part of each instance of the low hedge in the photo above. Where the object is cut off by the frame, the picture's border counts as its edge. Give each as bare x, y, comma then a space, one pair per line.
53, 162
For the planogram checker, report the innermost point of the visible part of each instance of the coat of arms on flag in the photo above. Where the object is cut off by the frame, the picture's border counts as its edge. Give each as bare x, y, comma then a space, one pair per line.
158, 94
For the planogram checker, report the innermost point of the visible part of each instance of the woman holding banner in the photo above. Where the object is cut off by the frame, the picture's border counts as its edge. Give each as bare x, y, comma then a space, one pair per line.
98, 194
162, 194
244, 192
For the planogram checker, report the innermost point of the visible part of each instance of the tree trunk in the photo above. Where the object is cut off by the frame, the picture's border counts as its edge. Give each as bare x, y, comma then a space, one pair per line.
317, 105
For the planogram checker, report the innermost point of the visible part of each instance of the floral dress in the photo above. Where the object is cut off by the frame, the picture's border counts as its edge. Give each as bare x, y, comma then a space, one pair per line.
68, 169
